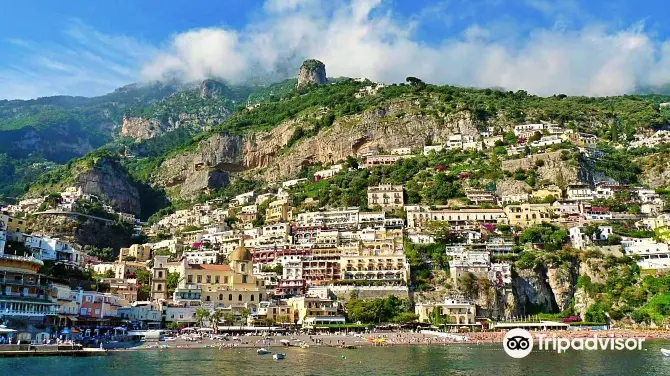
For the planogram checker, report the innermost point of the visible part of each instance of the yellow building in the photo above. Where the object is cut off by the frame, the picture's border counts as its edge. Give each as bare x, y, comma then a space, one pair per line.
141, 252
279, 313
13, 224
231, 287
310, 310
277, 211
528, 214
548, 191
457, 311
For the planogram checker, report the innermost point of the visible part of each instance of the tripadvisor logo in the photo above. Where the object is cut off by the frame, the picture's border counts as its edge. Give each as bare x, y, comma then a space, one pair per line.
518, 343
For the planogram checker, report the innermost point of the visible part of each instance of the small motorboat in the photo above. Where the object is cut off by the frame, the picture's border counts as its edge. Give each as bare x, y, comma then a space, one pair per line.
665, 352
263, 351
278, 356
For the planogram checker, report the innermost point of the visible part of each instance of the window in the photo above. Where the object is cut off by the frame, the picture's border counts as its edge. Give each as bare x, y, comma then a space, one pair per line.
230, 297
88, 298
220, 296
243, 267
209, 279
159, 287
189, 279
207, 299
160, 274
225, 280
252, 297
199, 278
239, 297
216, 279
244, 279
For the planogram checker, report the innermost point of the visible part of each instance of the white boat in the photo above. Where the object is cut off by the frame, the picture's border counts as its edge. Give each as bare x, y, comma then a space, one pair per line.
263, 351
278, 356
665, 352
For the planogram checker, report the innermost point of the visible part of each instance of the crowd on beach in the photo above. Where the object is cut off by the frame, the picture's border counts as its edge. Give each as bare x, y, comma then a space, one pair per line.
405, 338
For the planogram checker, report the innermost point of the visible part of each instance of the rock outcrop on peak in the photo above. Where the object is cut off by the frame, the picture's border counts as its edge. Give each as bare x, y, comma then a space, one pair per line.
312, 72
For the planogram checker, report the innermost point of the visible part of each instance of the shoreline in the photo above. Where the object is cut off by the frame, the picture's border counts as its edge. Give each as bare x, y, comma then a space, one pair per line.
391, 339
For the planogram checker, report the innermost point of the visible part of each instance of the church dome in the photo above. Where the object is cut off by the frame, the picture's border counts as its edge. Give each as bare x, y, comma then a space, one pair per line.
240, 254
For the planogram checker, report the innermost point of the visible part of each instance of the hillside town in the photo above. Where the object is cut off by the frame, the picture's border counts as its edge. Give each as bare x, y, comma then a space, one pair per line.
258, 260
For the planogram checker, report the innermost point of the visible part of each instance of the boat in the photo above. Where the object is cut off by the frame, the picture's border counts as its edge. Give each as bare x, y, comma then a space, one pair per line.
278, 356
263, 351
665, 352
304, 346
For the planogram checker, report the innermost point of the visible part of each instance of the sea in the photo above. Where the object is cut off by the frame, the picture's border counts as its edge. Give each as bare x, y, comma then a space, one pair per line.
489, 360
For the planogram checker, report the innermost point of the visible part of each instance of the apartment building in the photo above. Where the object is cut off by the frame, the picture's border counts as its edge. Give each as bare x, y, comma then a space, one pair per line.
386, 196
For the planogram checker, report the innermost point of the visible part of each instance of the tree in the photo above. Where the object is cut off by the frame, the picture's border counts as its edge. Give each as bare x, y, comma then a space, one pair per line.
413, 81
173, 280
596, 313
244, 313
406, 318
109, 274
215, 318
143, 276
105, 254
53, 200
352, 162
440, 230
468, 284
228, 318
201, 315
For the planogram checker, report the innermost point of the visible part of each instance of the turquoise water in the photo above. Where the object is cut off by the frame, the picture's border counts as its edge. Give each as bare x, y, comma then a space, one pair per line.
449, 360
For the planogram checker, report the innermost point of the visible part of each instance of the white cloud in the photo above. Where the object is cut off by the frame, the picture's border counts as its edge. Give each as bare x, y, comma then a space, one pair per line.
357, 38
364, 38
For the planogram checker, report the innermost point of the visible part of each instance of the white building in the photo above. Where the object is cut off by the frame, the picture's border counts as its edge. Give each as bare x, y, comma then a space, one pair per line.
652, 255
433, 148
292, 183
525, 129
547, 141
401, 151
242, 199
328, 173
580, 240
579, 192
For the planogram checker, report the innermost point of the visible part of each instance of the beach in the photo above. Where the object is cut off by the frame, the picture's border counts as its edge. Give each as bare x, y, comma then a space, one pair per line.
398, 338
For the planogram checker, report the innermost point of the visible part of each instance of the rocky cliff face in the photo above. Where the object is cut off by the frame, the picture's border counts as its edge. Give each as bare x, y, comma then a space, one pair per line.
265, 154
550, 167
312, 72
81, 230
533, 292
656, 170
141, 129
220, 152
209, 103
109, 182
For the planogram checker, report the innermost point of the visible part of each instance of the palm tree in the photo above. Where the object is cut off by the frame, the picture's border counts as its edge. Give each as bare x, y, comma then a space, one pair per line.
215, 318
229, 318
201, 315
244, 312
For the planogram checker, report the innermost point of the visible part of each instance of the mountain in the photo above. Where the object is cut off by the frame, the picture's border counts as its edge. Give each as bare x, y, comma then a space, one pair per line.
35, 134
202, 137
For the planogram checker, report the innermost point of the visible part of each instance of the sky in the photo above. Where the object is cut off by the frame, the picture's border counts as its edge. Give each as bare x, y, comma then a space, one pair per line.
88, 48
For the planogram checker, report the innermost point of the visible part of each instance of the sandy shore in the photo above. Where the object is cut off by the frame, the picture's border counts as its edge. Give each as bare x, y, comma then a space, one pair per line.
387, 339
